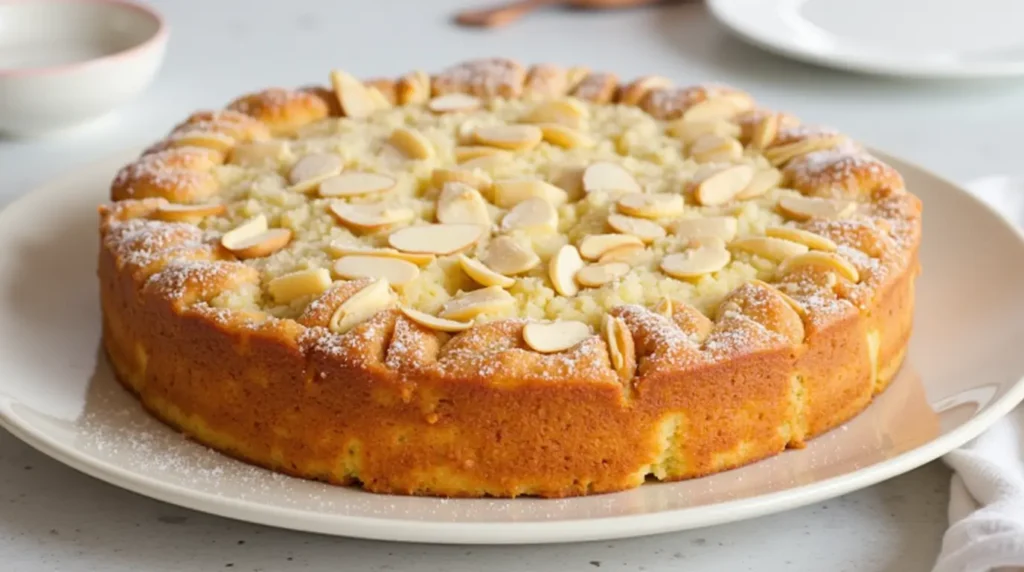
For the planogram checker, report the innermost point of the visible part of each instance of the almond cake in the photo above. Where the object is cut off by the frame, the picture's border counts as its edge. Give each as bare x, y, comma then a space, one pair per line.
502, 280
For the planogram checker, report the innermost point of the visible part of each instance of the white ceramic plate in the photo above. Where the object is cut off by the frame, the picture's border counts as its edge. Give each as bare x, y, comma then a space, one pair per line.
907, 38
57, 393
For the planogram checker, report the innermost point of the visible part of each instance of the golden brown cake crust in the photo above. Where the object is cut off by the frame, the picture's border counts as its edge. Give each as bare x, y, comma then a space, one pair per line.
399, 408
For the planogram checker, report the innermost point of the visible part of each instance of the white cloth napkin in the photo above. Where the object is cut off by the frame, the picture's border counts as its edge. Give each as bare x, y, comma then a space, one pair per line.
986, 504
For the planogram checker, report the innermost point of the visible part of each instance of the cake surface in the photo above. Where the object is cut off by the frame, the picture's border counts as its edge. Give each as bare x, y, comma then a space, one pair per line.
500, 280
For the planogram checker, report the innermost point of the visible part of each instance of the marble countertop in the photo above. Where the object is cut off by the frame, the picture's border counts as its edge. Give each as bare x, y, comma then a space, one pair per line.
53, 518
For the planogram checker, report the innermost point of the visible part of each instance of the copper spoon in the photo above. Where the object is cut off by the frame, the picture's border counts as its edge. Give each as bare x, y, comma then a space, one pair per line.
508, 13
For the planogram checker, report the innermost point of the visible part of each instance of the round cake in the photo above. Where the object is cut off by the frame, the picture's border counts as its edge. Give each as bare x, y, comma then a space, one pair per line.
502, 281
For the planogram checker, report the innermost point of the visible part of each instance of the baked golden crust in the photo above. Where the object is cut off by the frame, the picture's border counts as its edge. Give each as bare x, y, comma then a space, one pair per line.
397, 407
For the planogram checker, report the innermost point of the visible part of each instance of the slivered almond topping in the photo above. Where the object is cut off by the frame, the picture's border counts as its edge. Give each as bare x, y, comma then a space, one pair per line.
469, 305
609, 177
353, 184
805, 208
723, 227
435, 323
762, 182
723, 186
647, 231
623, 253
355, 99
765, 131
440, 239
563, 136
459, 203
621, 348
257, 153
464, 153
664, 307
483, 275
767, 247
507, 256
380, 101
488, 162
510, 192
534, 215
690, 131
454, 102
347, 250
411, 143
805, 237
597, 275
559, 336
632, 93
569, 112
712, 109
309, 171
398, 272
361, 306
252, 239
829, 260
371, 216
713, 148
593, 246
696, 262
658, 205
797, 306
293, 285
562, 270
173, 212
510, 137
478, 181
781, 154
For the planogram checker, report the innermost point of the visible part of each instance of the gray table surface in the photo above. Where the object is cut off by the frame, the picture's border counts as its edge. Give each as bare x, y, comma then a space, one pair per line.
53, 518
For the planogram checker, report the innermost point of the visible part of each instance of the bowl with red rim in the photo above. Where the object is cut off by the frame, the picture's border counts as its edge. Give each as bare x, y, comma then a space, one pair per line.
64, 63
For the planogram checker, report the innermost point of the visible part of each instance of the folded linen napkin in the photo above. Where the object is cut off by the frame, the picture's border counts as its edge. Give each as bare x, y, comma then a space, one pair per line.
986, 505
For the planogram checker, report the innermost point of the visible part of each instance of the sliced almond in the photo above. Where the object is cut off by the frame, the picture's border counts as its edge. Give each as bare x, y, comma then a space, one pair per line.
255, 226
765, 131
555, 336
510, 192
696, 262
805, 208
356, 101
762, 182
469, 305
440, 239
569, 112
411, 143
829, 260
354, 184
690, 131
257, 153
664, 307
465, 153
805, 237
562, 270
439, 177
361, 306
621, 348
609, 177
510, 137
779, 155
507, 256
483, 275
647, 231
347, 250
398, 272
380, 101
711, 109
563, 136
713, 148
173, 212
489, 163
723, 227
288, 287
253, 240
597, 275
624, 253
371, 216
309, 171
723, 186
657, 205
459, 203
593, 246
534, 215
634, 92
767, 247
435, 323
454, 102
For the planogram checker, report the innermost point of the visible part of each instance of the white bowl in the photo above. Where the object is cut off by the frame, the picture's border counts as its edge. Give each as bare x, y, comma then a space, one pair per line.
64, 63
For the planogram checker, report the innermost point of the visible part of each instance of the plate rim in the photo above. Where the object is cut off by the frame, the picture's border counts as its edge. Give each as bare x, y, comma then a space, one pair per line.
512, 533
727, 17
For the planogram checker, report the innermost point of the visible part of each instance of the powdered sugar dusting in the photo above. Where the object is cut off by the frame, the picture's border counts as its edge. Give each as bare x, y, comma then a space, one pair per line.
180, 277
139, 242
